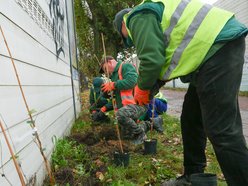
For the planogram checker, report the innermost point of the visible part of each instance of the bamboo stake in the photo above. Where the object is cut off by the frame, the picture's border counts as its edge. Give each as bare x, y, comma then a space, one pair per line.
153, 110
113, 101
32, 124
97, 59
13, 156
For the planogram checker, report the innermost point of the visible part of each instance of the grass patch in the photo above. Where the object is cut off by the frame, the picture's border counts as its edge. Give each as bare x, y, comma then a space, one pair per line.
86, 156
243, 93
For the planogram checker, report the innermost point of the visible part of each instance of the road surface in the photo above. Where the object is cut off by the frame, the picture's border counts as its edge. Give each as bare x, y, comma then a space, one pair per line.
175, 101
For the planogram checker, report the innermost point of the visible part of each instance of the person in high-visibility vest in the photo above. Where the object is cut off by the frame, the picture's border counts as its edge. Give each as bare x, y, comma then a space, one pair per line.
99, 105
123, 79
203, 45
156, 107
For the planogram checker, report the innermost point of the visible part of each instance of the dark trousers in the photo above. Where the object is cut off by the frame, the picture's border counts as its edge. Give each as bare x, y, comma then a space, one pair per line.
211, 110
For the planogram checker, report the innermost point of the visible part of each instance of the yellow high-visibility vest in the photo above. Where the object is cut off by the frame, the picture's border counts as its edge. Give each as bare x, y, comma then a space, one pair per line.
190, 28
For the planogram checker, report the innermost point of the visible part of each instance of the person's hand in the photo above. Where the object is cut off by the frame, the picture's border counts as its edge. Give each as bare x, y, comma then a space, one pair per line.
141, 96
98, 116
108, 87
92, 107
103, 109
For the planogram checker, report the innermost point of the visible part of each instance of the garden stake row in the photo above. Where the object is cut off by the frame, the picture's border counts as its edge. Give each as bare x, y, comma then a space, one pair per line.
113, 101
32, 124
13, 156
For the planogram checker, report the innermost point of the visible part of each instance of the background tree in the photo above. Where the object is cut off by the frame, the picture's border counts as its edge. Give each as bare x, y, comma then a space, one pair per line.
93, 18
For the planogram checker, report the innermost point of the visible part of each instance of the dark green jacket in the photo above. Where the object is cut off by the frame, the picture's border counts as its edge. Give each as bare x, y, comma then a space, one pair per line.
148, 39
97, 100
129, 81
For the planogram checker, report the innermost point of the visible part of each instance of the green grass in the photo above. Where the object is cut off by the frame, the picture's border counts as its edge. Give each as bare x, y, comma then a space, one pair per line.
142, 169
243, 93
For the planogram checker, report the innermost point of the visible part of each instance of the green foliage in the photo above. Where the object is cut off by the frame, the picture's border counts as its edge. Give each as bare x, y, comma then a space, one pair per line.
32, 111
243, 93
92, 19
69, 154
78, 126
142, 169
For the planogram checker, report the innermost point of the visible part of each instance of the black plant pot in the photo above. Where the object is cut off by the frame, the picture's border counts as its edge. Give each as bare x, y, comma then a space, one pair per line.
150, 146
203, 179
121, 159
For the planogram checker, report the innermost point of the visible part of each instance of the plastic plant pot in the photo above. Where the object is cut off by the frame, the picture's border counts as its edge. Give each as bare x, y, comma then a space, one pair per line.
203, 179
150, 146
121, 159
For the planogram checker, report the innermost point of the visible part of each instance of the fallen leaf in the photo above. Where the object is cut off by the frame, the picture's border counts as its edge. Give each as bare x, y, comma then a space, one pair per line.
154, 160
100, 175
98, 163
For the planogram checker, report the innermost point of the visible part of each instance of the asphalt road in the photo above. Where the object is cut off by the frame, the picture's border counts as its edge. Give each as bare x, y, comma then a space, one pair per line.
175, 101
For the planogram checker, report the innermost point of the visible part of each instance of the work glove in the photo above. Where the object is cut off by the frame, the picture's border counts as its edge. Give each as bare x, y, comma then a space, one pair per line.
99, 116
108, 87
103, 109
141, 96
155, 88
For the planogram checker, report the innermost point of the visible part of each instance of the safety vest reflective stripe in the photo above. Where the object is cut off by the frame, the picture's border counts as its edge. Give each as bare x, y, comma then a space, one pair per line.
126, 95
175, 17
190, 33
185, 24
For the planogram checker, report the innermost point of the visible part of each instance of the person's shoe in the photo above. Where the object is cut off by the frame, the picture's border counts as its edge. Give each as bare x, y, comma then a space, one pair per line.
180, 181
158, 124
139, 139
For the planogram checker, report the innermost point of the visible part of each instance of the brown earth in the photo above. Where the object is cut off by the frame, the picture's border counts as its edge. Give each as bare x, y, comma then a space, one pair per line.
100, 140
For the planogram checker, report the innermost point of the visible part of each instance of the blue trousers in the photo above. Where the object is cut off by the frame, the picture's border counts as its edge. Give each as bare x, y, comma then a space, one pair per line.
211, 110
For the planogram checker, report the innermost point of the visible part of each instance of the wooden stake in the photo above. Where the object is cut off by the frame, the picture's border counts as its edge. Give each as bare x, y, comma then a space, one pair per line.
153, 110
113, 101
52, 182
13, 156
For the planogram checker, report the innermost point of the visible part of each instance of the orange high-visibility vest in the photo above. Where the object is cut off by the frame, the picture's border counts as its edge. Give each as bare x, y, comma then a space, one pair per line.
126, 95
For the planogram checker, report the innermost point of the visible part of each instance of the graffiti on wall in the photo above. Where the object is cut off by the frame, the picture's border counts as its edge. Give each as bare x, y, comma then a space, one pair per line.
57, 8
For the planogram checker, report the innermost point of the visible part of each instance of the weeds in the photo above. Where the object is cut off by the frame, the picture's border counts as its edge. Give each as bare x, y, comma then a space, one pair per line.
86, 156
70, 159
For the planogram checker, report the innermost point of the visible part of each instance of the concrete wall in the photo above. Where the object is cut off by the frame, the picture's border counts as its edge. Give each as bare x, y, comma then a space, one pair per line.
37, 35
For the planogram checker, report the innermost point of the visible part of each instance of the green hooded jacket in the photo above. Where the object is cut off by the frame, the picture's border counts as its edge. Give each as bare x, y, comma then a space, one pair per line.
148, 39
129, 81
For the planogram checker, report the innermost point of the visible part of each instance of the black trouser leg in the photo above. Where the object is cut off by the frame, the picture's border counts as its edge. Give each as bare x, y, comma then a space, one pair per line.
194, 139
218, 84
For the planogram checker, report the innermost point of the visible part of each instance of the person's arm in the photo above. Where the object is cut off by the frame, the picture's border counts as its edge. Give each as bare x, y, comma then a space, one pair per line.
109, 106
149, 43
129, 75
161, 106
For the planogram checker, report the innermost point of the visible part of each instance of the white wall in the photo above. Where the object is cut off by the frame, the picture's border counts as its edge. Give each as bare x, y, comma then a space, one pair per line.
45, 74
